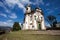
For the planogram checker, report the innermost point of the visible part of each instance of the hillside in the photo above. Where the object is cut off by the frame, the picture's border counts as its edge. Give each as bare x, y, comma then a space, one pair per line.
28, 35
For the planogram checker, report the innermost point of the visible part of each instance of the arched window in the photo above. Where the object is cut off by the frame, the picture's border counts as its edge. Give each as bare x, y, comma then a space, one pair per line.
35, 17
26, 8
41, 18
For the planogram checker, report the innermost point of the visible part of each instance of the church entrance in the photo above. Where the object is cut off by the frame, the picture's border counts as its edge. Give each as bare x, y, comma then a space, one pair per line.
39, 25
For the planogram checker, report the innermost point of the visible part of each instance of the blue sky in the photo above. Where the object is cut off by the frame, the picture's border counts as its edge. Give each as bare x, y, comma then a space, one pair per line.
13, 10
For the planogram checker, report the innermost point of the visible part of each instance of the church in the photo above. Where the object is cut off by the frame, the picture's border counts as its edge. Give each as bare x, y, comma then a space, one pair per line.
34, 19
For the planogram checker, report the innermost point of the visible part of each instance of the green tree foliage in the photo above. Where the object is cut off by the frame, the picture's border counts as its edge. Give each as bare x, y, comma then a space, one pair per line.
52, 20
16, 26
59, 14
54, 23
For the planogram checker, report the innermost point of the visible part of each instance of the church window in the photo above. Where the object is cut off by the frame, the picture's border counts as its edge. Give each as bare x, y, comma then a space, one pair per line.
35, 17
41, 18
30, 23
30, 17
32, 26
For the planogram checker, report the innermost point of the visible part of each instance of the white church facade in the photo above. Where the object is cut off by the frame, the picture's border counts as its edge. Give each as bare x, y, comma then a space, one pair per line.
34, 20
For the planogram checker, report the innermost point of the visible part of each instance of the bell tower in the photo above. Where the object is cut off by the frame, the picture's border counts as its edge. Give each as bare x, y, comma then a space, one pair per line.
28, 9
27, 17
40, 19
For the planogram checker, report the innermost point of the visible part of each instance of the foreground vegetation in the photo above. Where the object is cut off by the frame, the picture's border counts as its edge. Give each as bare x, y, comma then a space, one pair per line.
24, 35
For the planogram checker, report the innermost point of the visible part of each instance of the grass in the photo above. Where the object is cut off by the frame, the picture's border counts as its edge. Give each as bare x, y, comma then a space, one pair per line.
24, 35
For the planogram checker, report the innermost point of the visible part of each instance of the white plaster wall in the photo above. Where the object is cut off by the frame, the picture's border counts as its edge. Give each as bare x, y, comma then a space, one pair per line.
42, 22
35, 25
23, 26
43, 25
35, 22
26, 22
30, 26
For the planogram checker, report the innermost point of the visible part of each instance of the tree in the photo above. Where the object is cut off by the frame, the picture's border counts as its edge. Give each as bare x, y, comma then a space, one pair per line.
52, 20
54, 23
59, 14
16, 26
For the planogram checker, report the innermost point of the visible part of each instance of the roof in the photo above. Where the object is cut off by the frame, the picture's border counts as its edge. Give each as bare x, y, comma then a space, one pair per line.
33, 11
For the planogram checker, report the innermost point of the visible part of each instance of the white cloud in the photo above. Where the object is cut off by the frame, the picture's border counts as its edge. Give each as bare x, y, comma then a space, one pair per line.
11, 3
51, 11
6, 23
8, 11
21, 6
47, 4
21, 3
47, 24
25, 1
4, 15
13, 15
2, 5
57, 8
20, 23
9, 20
37, 2
41, 1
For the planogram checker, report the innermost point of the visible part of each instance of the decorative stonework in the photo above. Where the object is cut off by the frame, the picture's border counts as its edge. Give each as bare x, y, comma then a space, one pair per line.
32, 18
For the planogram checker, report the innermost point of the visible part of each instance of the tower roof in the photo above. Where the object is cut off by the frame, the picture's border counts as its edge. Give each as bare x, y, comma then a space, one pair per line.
38, 8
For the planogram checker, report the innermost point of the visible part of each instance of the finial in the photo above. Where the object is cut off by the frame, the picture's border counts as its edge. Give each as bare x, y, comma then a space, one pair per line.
28, 5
